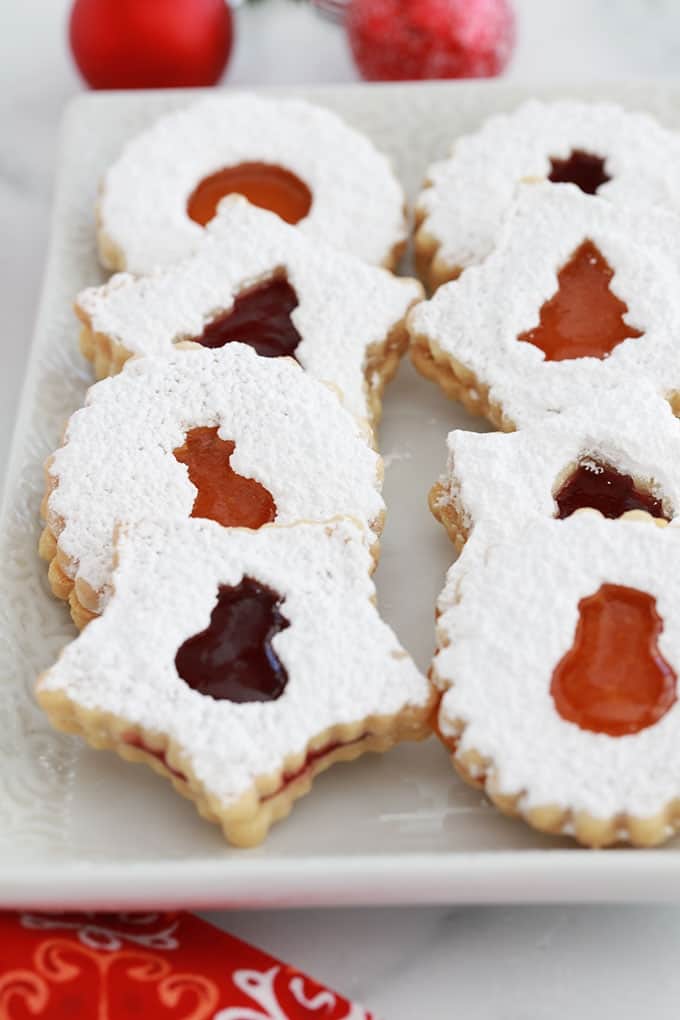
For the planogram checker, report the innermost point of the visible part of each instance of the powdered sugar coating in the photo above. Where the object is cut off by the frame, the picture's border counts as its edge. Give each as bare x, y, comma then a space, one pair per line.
471, 192
358, 205
345, 306
475, 320
344, 663
513, 478
510, 610
291, 433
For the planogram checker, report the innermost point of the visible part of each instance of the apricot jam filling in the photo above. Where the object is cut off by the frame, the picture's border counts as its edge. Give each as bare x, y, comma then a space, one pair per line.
599, 486
233, 659
223, 495
583, 319
263, 184
614, 679
260, 317
581, 168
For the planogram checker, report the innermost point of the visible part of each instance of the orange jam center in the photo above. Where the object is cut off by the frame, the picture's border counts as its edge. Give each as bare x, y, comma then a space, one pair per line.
614, 679
223, 496
264, 184
581, 168
583, 319
601, 487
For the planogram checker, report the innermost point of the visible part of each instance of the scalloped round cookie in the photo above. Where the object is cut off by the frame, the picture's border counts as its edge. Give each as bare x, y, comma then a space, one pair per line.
256, 279
599, 457
558, 654
239, 665
624, 158
578, 298
287, 155
225, 435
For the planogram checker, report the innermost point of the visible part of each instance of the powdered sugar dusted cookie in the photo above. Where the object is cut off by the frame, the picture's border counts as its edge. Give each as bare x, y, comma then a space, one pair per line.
299, 160
239, 665
579, 297
559, 651
256, 279
224, 435
600, 457
625, 158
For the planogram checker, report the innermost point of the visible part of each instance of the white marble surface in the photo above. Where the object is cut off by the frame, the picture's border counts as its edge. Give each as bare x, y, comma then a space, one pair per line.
500, 964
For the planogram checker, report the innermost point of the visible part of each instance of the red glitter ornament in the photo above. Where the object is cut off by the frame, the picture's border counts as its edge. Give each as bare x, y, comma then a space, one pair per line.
134, 44
407, 40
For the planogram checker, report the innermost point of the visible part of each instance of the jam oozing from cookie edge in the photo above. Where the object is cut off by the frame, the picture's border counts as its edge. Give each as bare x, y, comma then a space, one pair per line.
222, 494
288, 778
134, 740
614, 679
584, 169
310, 761
260, 317
263, 184
233, 659
599, 486
583, 319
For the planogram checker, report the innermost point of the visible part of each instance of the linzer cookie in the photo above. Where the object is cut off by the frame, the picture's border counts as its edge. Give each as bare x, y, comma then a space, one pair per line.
559, 652
601, 457
239, 665
624, 158
255, 279
295, 159
224, 435
579, 298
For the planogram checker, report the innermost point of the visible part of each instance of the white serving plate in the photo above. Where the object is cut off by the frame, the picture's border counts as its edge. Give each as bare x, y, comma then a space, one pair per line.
82, 828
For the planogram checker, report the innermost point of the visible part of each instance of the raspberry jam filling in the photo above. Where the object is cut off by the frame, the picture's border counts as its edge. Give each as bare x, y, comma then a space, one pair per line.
260, 317
614, 679
310, 761
600, 486
581, 168
264, 184
223, 495
233, 659
583, 319
134, 740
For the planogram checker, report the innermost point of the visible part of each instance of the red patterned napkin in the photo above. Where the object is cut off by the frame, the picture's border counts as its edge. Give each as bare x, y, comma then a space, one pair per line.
149, 967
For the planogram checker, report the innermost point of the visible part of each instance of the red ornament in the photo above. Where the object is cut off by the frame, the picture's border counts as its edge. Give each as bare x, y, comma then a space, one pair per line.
407, 40
134, 44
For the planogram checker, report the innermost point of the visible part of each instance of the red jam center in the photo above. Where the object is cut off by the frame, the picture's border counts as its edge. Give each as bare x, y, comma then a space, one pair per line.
233, 659
261, 318
264, 184
614, 679
601, 487
583, 319
581, 168
223, 496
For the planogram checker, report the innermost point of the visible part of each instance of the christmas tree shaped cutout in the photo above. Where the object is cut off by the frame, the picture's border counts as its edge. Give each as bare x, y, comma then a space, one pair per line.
583, 319
614, 679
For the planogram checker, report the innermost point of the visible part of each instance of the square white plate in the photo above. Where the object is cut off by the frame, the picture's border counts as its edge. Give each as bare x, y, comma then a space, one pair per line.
79, 827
